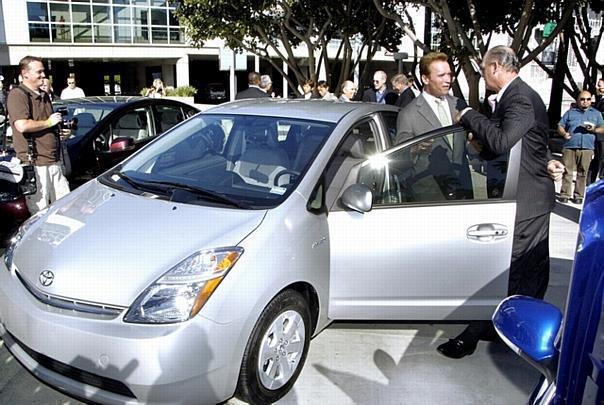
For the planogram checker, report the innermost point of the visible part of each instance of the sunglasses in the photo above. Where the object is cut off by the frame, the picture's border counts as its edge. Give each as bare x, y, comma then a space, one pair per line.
585, 99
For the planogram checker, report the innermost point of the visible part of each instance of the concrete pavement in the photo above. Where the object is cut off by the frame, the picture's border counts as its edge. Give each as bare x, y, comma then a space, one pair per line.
363, 363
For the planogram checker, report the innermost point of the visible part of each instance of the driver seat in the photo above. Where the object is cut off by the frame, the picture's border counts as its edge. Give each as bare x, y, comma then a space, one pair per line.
262, 159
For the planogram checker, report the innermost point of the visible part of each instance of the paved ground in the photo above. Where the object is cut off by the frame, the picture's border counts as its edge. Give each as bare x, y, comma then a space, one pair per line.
385, 363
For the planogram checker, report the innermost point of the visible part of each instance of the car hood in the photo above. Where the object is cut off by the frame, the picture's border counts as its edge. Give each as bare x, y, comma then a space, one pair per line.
106, 246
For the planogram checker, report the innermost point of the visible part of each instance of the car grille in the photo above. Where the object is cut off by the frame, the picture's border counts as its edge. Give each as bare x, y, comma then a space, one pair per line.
78, 306
104, 383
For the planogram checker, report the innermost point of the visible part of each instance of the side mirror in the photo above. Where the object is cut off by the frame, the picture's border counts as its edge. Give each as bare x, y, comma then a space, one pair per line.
121, 144
529, 327
358, 197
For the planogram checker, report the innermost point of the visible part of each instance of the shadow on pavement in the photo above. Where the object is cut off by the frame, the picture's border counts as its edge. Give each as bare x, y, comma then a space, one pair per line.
568, 212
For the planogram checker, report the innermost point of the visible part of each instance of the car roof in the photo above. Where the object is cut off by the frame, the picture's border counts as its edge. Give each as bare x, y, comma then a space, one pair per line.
115, 101
320, 110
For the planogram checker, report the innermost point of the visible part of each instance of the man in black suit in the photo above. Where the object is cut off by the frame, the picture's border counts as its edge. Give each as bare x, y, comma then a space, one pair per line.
402, 94
379, 92
253, 91
519, 114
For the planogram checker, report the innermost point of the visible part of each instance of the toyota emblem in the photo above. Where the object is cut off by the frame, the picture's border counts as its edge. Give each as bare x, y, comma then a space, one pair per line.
46, 278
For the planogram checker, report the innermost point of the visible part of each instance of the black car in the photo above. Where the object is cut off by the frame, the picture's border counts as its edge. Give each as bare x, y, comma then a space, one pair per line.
105, 130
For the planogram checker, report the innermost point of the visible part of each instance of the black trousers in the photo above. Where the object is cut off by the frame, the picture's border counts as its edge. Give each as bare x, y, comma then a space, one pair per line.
529, 270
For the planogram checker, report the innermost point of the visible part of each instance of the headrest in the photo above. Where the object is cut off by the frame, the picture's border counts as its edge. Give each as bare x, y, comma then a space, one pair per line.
85, 119
262, 134
129, 121
354, 146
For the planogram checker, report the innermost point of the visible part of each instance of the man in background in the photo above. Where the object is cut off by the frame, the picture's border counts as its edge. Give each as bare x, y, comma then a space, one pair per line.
380, 90
36, 134
402, 94
349, 89
253, 90
72, 91
579, 126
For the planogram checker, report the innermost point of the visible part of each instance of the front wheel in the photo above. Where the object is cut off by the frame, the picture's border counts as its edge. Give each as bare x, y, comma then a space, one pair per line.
276, 351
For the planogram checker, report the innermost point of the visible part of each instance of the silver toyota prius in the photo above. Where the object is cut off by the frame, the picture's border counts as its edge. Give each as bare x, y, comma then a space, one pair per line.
200, 268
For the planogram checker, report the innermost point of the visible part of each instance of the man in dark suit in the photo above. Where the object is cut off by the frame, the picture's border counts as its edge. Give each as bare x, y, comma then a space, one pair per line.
379, 92
253, 91
435, 108
519, 114
402, 94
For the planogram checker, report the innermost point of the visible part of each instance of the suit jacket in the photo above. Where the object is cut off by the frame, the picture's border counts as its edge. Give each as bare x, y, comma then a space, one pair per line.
369, 96
418, 118
405, 98
251, 92
520, 114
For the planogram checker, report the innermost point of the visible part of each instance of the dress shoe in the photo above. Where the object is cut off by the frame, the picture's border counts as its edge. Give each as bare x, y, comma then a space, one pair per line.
456, 348
578, 200
563, 199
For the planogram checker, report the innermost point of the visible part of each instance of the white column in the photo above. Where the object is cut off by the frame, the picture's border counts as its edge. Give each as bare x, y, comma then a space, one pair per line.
182, 71
257, 64
285, 84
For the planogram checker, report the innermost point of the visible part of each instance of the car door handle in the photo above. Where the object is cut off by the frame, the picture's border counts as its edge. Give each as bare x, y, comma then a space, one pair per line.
487, 232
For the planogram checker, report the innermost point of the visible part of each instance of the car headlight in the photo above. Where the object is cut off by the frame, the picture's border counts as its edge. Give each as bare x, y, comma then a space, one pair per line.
181, 292
18, 236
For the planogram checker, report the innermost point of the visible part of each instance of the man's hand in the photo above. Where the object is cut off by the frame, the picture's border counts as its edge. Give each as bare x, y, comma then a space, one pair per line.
54, 119
555, 169
475, 144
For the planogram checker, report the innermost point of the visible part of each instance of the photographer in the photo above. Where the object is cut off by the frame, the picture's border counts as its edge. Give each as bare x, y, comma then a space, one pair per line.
36, 134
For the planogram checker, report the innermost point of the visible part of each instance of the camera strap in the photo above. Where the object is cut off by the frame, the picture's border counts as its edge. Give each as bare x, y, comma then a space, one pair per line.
31, 145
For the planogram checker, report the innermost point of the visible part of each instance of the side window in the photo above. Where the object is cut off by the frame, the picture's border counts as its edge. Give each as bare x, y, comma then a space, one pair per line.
134, 124
389, 118
358, 144
166, 116
439, 169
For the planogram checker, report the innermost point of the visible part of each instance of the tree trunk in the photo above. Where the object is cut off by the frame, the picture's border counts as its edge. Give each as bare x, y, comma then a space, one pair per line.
554, 112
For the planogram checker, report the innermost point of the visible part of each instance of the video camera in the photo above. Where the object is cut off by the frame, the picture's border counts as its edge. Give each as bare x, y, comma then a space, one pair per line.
71, 124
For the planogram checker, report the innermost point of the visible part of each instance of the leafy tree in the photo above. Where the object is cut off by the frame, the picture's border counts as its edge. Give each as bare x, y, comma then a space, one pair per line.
274, 28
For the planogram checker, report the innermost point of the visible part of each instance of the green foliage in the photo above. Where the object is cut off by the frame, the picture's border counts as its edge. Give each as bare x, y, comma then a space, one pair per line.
144, 91
181, 91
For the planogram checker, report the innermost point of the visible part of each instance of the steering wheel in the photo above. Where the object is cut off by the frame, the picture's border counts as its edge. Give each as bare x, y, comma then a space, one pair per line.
292, 173
100, 142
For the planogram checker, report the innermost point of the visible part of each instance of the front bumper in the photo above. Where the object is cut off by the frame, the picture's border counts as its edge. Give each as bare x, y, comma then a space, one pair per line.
108, 361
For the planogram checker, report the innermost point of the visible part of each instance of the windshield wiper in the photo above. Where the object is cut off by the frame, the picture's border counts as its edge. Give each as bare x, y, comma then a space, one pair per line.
206, 194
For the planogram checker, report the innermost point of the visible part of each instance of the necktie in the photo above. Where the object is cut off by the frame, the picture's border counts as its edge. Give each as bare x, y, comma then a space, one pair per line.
445, 118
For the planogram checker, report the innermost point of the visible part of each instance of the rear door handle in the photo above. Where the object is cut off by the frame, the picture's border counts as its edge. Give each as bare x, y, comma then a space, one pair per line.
487, 232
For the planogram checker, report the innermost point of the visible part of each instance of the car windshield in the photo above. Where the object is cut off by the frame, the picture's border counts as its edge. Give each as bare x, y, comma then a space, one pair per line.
233, 160
87, 116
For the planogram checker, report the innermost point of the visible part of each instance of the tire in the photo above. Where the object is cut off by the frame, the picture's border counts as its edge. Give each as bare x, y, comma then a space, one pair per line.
276, 350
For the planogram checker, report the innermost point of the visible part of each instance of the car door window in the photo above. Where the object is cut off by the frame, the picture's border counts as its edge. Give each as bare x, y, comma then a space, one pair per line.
166, 116
438, 169
389, 119
133, 124
360, 142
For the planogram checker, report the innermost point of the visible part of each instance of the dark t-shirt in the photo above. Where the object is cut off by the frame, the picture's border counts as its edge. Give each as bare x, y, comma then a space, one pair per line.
46, 144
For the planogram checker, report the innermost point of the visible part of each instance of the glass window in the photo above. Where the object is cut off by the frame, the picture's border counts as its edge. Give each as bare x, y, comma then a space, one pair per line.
159, 17
121, 1
121, 15
141, 16
389, 119
81, 14
102, 33
101, 14
435, 170
61, 33
59, 13
141, 2
82, 33
173, 19
37, 11
141, 34
123, 34
237, 157
39, 33
176, 36
161, 3
160, 35
166, 116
